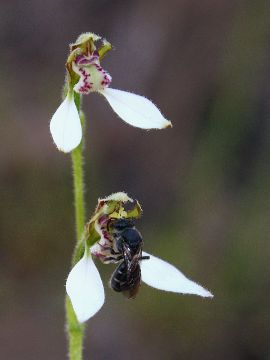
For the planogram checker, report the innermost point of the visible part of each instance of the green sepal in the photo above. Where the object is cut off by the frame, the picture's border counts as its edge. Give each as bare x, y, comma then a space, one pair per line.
79, 251
105, 47
92, 236
136, 212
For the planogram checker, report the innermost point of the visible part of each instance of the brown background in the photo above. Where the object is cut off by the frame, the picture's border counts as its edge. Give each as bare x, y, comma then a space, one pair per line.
204, 185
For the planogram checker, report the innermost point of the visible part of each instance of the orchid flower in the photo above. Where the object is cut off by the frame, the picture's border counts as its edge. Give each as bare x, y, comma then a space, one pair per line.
84, 285
85, 75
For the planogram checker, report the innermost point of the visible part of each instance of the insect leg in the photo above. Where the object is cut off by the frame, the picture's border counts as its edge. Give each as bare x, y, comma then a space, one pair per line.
146, 257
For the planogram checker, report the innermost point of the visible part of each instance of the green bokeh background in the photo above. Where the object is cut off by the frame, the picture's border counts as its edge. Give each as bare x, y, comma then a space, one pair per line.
204, 185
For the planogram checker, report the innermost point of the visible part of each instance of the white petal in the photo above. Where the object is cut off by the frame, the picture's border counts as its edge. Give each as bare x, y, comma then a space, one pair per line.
135, 110
66, 126
85, 289
164, 276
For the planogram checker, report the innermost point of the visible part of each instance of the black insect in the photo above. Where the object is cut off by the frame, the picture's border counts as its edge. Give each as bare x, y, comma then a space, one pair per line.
128, 242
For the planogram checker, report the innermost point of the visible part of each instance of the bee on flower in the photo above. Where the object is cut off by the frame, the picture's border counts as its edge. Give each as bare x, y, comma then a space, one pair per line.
111, 237
84, 76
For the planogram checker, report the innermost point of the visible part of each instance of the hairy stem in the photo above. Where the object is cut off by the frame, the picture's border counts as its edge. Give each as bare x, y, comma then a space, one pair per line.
78, 183
75, 330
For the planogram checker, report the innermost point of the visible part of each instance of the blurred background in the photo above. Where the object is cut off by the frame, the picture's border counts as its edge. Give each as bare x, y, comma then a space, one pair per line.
204, 185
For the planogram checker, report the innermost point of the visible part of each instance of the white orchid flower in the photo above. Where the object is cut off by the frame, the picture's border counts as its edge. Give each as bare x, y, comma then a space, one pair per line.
84, 285
84, 66
86, 292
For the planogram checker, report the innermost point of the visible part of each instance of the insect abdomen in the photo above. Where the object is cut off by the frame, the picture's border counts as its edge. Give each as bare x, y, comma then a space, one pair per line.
124, 281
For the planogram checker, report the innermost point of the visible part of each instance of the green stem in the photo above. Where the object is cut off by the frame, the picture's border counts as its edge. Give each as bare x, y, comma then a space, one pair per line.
75, 330
77, 165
